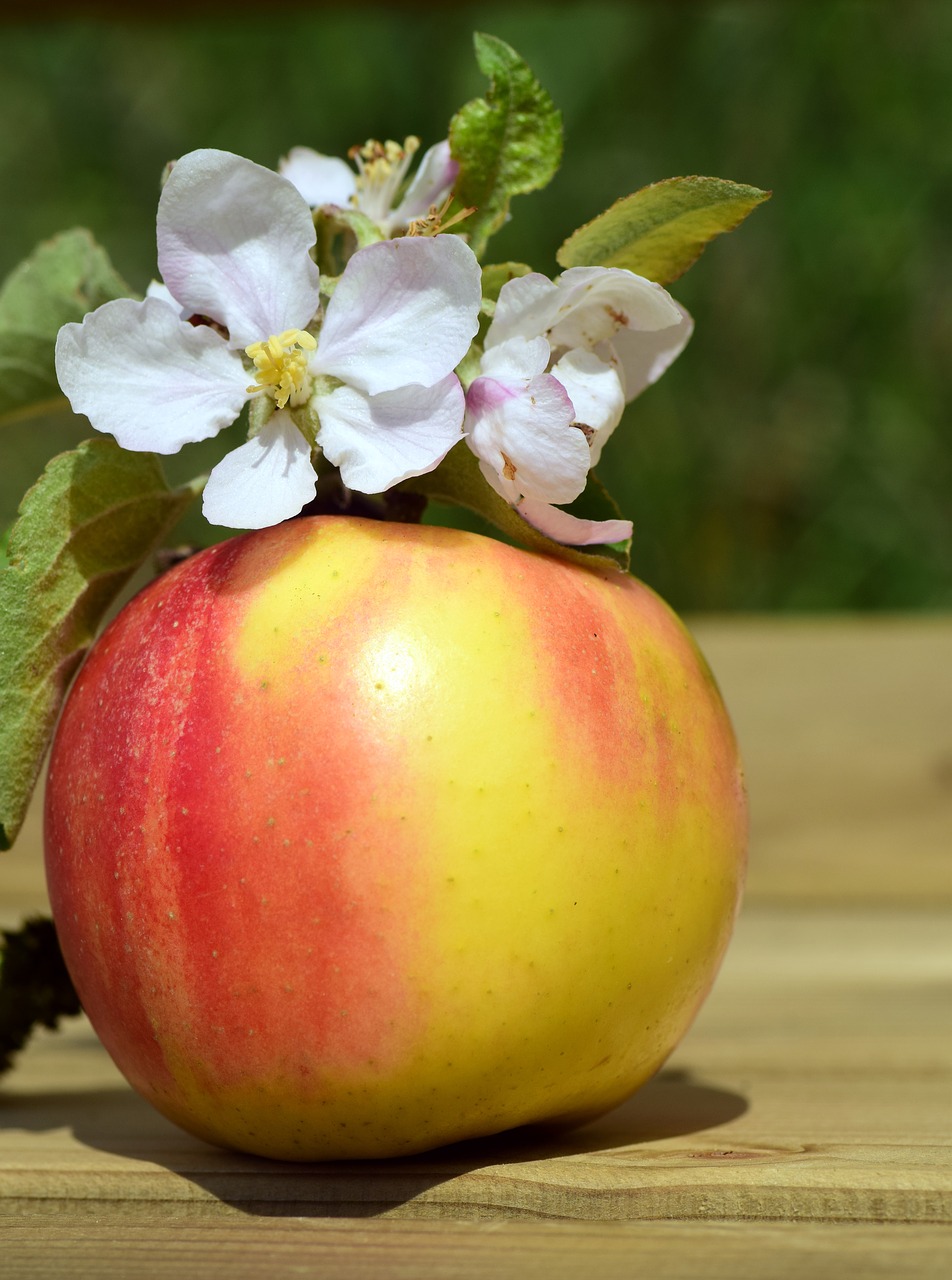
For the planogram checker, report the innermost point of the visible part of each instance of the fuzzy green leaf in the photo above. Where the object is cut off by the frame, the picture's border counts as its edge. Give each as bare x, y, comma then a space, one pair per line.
507, 143
459, 481
83, 529
62, 280
661, 230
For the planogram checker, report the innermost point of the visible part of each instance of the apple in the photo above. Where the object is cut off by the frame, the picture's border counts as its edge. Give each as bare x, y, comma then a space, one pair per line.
366, 837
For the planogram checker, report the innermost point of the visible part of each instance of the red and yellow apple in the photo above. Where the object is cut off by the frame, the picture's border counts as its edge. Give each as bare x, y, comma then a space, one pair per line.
362, 838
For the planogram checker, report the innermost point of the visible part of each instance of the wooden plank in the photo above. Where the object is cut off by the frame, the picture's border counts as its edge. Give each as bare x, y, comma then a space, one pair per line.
387, 1250
845, 725
804, 1126
769, 1170
780, 1105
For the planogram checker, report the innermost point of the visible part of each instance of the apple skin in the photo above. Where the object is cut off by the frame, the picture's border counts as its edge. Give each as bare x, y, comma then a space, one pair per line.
363, 838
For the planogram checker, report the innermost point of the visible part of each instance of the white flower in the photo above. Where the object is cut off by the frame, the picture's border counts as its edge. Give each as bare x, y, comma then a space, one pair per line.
374, 188
519, 422
600, 335
374, 388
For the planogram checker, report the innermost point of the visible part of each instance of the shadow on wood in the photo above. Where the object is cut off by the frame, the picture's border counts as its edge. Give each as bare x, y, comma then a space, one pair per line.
117, 1122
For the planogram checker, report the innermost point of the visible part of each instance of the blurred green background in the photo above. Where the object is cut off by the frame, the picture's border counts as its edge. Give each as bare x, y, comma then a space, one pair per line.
797, 456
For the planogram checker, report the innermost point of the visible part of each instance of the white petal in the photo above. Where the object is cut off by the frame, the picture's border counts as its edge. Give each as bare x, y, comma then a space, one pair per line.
596, 302
516, 358
150, 379
563, 527
526, 307
320, 179
265, 481
643, 357
505, 487
431, 184
233, 243
377, 441
524, 432
156, 289
596, 391
404, 311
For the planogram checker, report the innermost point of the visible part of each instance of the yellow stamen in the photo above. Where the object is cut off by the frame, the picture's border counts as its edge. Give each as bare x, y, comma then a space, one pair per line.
381, 168
435, 221
382, 158
281, 365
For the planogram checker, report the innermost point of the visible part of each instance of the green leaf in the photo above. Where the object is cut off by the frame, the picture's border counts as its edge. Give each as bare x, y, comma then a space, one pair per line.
507, 143
661, 230
62, 280
459, 481
83, 529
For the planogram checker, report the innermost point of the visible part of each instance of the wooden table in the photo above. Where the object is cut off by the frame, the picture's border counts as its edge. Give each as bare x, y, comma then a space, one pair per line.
802, 1129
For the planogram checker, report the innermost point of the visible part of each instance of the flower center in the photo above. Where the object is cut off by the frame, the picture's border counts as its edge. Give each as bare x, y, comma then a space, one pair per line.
281, 366
381, 168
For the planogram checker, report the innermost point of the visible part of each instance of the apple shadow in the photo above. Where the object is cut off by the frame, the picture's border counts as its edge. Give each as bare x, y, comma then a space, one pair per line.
118, 1122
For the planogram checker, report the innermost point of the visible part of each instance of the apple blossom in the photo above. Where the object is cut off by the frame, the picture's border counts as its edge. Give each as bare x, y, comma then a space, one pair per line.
375, 187
520, 424
368, 379
598, 334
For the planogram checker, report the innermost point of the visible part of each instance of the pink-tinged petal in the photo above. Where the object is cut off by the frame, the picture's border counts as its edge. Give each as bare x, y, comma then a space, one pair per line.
596, 391
233, 243
431, 184
265, 481
148, 378
404, 312
377, 441
563, 527
526, 307
524, 432
643, 357
595, 303
320, 179
516, 358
